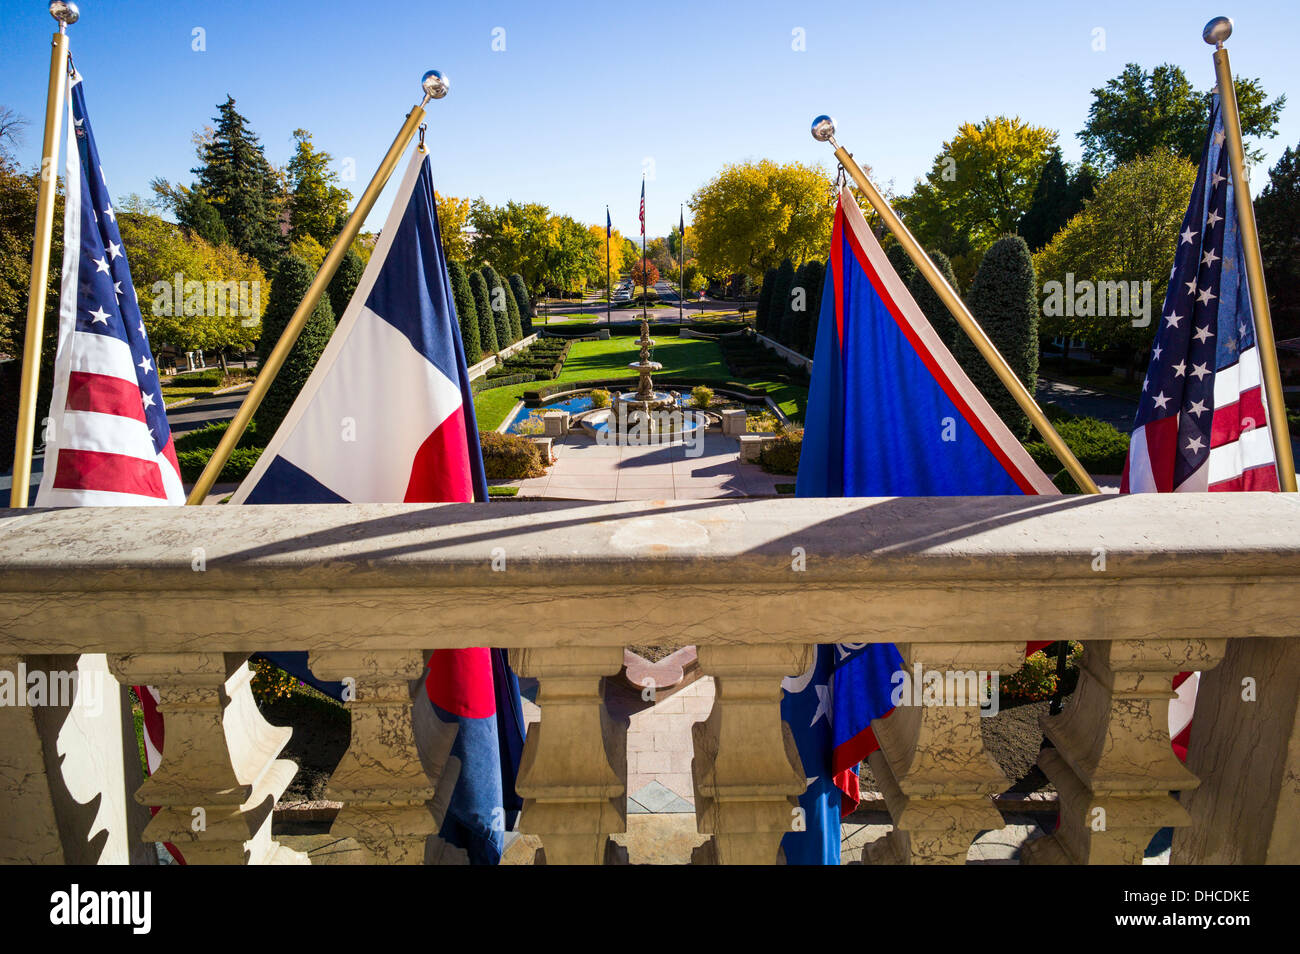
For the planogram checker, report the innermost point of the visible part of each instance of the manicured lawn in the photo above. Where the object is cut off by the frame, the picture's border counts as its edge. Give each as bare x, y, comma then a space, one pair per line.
681, 358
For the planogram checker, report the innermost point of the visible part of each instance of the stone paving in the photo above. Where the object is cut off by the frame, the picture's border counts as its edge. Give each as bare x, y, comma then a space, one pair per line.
586, 470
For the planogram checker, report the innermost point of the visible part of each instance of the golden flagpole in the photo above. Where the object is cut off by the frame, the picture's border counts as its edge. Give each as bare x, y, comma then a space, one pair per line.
435, 86
24, 441
1215, 32
823, 130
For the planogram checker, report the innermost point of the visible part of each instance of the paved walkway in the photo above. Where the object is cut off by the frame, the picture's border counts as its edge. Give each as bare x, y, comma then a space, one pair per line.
1115, 410
585, 470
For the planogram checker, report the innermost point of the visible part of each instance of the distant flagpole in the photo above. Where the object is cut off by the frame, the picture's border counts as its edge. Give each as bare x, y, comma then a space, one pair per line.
1215, 32
609, 297
24, 440
645, 288
435, 86
681, 263
823, 130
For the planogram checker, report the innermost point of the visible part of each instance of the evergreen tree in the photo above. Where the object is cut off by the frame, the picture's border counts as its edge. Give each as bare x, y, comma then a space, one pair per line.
466, 312
497, 296
345, 281
487, 331
764, 309
1004, 300
791, 317
932, 306
242, 185
806, 328
902, 264
512, 312
520, 291
1278, 210
1050, 207
780, 298
317, 206
289, 283
200, 216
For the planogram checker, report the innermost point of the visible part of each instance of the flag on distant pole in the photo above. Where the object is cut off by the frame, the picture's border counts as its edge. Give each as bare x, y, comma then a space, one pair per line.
890, 413
395, 370
643, 205
1202, 422
107, 440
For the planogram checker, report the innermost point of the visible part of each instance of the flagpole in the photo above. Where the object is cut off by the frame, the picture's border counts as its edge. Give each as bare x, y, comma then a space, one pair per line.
823, 130
681, 267
645, 288
435, 86
609, 295
1215, 32
29, 382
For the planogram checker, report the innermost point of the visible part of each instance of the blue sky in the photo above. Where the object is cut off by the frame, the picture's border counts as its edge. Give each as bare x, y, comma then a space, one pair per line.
584, 94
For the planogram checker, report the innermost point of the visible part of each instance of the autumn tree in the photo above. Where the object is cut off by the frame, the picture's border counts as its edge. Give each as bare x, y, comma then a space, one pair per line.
752, 215
317, 206
453, 217
645, 276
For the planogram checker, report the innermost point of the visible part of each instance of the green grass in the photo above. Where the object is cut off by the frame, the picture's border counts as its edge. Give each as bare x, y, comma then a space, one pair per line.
681, 358
503, 491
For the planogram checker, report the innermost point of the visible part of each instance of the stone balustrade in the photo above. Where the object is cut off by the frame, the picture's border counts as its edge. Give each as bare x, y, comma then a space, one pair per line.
178, 599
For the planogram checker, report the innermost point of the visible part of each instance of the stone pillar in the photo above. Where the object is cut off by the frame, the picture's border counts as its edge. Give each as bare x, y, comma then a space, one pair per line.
1245, 747
219, 778
733, 422
937, 778
573, 774
746, 770
1112, 763
555, 423
29, 830
381, 779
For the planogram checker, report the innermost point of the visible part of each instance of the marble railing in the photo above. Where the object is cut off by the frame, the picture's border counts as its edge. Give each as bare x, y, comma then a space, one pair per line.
1153, 585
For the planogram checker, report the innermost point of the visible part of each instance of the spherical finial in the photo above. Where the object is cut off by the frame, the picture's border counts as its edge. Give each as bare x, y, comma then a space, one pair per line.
1217, 30
823, 129
435, 84
65, 12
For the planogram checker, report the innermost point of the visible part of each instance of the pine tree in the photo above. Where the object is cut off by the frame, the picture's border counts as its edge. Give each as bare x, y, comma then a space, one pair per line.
1050, 207
466, 312
487, 330
780, 299
805, 331
289, 283
1004, 300
242, 185
499, 309
520, 291
763, 312
345, 281
932, 306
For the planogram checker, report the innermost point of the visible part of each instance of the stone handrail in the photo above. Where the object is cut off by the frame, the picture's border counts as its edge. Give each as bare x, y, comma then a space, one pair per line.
1154, 585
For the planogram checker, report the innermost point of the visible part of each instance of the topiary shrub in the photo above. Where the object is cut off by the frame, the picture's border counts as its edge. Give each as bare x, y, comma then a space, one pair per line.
1100, 447
510, 457
940, 318
498, 307
520, 291
763, 311
289, 283
781, 286
782, 455
466, 313
1004, 300
804, 338
487, 328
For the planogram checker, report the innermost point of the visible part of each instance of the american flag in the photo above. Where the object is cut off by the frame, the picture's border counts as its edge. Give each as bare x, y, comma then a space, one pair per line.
107, 440
643, 205
1202, 423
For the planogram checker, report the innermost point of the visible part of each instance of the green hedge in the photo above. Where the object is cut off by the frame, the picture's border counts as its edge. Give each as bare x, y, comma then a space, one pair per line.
1100, 447
193, 450
510, 456
487, 383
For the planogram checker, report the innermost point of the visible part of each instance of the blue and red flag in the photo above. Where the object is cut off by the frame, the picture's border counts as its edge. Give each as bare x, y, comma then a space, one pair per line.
890, 413
387, 416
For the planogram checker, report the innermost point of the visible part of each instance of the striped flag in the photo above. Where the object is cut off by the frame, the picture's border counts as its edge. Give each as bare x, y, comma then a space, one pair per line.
107, 439
1202, 422
387, 416
643, 205
890, 413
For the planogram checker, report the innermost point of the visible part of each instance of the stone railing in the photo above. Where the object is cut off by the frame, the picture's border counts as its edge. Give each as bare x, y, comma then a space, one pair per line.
1154, 585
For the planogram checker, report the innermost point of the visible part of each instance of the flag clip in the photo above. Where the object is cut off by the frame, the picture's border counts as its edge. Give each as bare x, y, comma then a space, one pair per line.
423, 127
841, 178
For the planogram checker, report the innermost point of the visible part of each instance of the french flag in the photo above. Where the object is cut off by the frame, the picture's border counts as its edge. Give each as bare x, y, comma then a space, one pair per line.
890, 413
387, 416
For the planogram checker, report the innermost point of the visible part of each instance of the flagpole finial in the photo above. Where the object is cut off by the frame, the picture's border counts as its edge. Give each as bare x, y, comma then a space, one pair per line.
435, 84
823, 129
66, 13
1216, 31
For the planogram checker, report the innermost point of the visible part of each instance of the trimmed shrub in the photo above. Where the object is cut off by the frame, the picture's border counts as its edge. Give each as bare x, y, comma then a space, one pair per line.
512, 312
1004, 300
466, 313
498, 307
782, 456
487, 382
701, 396
510, 456
1101, 448
902, 264
940, 318
487, 328
805, 329
780, 299
289, 283
599, 397
764, 310
344, 283
520, 291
